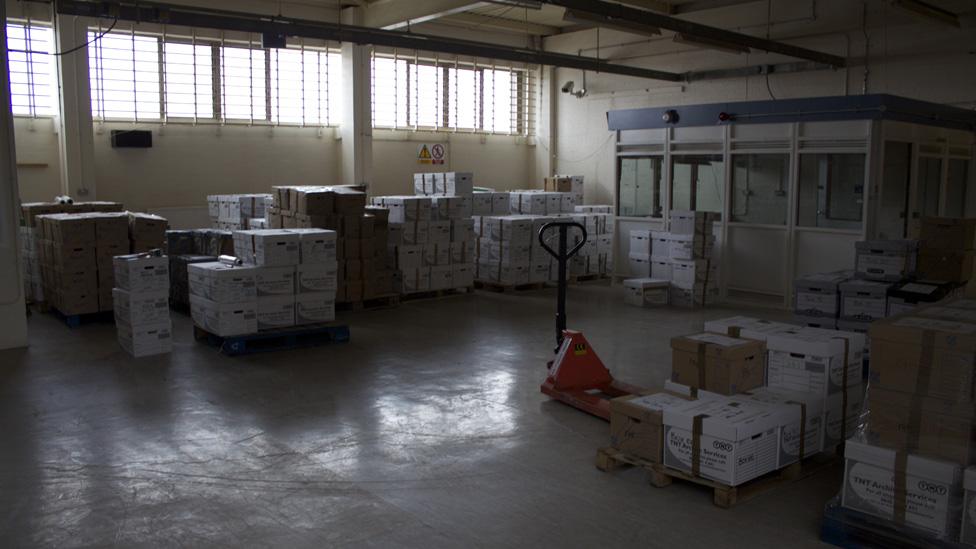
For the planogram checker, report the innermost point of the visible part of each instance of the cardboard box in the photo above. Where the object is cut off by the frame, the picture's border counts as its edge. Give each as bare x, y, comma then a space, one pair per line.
276, 311
458, 183
505, 252
808, 360
146, 339
925, 355
828, 323
224, 319
661, 268
500, 203
690, 223
314, 201
348, 201
141, 273
439, 232
481, 204
864, 300
885, 260
660, 245
932, 488
317, 278
437, 255
905, 297
267, 248
646, 292
462, 230
737, 440
968, 535
947, 233
819, 294
136, 308
639, 265
748, 327
441, 277
687, 247
414, 280
316, 246
111, 227
516, 231
147, 228
925, 425
717, 363
945, 265
223, 283
274, 280
843, 416
803, 420
636, 424
70, 229
640, 242
314, 308
687, 274
463, 275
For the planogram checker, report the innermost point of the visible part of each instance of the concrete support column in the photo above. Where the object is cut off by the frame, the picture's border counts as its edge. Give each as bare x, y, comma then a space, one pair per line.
13, 318
356, 127
77, 142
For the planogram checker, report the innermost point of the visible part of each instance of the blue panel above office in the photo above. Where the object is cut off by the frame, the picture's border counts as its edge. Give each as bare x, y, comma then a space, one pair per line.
809, 109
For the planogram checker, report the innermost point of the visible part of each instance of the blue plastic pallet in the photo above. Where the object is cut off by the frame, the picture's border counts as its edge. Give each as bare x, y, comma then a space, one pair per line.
855, 530
276, 340
73, 321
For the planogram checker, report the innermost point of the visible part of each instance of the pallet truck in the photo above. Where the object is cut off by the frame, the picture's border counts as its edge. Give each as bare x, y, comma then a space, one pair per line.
577, 377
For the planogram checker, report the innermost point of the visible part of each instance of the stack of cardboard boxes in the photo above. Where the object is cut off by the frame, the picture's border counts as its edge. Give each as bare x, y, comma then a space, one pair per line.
908, 465
683, 256
232, 212
185, 247
541, 203
816, 298
491, 203
141, 303
431, 242
946, 249
288, 278
30, 238
76, 252
363, 267
443, 183
572, 184
752, 396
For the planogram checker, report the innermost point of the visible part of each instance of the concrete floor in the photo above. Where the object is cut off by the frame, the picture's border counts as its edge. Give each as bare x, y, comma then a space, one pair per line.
427, 429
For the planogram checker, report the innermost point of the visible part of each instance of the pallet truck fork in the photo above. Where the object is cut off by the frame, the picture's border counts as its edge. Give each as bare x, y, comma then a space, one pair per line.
577, 376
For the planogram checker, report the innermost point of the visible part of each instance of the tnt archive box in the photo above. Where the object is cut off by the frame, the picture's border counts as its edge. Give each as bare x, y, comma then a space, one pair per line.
223, 283
885, 260
717, 363
802, 415
819, 294
646, 292
636, 423
736, 440
141, 273
267, 247
931, 497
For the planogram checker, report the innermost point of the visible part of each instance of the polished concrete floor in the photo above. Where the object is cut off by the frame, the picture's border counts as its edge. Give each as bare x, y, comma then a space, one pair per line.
426, 430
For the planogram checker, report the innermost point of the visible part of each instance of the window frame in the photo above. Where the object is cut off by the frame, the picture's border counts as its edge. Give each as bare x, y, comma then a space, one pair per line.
28, 25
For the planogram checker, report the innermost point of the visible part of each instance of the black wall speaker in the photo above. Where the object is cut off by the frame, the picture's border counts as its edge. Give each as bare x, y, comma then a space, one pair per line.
131, 139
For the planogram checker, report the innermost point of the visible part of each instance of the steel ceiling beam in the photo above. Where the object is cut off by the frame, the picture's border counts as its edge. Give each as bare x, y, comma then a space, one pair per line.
620, 13
169, 14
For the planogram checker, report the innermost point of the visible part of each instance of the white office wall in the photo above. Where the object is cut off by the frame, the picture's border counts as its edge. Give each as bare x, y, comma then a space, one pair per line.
908, 56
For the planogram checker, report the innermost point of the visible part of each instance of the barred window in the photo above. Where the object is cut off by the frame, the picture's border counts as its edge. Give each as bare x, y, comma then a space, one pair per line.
143, 77
33, 77
450, 94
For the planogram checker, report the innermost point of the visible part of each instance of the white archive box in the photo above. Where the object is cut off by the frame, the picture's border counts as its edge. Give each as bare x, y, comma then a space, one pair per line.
462, 230
661, 268
806, 361
146, 339
660, 245
646, 292
317, 278
316, 245
437, 254
686, 274
864, 300
458, 183
689, 222
793, 407
274, 280
409, 257
932, 488
885, 260
738, 439
413, 232
640, 265
405, 209
818, 294
515, 230
968, 535
141, 272
505, 252
276, 311
415, 280
750, 328
439, 232
462, 252
441, 277
689, 246
463, 274
539, 271
500, 203
224, 319
267, 247
841, 423
222, 283
481, 203
314, 308
640, 242
135, 308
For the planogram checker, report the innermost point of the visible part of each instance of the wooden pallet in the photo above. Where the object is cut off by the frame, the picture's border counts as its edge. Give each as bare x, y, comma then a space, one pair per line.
433, 294
387, 301
73, 321
855, 530
275, 340
724, 496
576, 279
505, 288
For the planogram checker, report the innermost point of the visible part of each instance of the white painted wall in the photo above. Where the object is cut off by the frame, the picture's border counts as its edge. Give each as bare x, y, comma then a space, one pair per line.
908, 56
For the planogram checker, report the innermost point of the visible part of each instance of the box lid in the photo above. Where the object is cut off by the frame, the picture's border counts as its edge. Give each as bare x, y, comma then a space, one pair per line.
921, 290
686, 391
646, 283
933, 469
865, 288
823, 280
726, 418
886, 246
636, 405
912, 329
814, 401
752, 328
856, 341
717, 345
804, 341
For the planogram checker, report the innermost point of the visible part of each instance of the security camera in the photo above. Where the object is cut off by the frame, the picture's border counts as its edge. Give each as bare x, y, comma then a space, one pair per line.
568, 87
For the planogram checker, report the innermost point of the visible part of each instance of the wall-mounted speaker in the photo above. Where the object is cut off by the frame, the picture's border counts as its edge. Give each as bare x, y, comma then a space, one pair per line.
131, 139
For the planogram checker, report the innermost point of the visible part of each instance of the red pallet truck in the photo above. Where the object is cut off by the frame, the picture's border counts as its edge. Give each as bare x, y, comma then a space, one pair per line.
577, 376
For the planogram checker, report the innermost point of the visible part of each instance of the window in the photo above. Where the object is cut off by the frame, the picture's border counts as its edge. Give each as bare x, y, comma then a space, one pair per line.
759, 188
831, 190
142, 77
697, 182
450, 95
33, 79
957, 199
640, 186
929, 190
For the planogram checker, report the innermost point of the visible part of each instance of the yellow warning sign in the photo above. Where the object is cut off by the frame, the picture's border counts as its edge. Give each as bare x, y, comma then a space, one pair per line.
579, 349
423, 157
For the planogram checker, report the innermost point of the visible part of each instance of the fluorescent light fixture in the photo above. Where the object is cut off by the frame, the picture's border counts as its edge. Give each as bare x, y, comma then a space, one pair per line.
605, 21
531, 4
929, 11
709, 43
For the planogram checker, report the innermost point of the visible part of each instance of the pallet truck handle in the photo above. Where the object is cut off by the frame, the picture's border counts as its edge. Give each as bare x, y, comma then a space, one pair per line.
562, 256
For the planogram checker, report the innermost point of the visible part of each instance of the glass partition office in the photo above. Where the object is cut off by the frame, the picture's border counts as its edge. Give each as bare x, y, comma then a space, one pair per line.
760, 189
